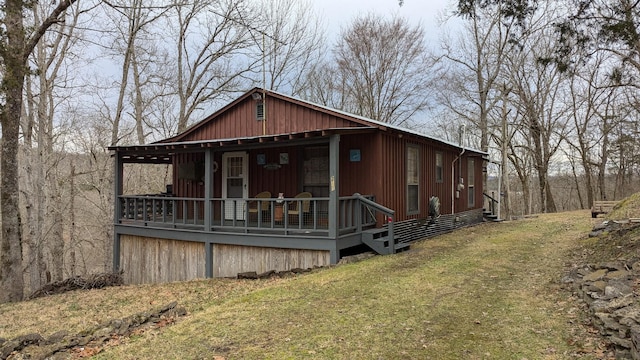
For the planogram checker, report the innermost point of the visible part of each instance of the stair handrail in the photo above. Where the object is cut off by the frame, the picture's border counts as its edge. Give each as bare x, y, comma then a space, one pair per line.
381, 208
492, 204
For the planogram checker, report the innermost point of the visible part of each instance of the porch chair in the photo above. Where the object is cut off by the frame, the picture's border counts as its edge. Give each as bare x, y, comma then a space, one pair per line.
264, 205
294, 208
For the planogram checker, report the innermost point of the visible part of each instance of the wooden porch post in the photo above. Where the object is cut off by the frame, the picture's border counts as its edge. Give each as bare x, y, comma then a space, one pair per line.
117, 211
208, 194
334, 191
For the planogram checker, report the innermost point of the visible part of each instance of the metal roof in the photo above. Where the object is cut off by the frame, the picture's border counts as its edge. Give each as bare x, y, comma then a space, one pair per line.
165, 145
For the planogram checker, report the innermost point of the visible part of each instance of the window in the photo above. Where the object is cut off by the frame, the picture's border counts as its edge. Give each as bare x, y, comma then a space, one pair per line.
471, 170
413, 179
439, 167
259, 110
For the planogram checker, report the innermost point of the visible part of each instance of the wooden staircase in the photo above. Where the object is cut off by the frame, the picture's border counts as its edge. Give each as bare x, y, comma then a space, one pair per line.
378, 240
490, 213
489, 216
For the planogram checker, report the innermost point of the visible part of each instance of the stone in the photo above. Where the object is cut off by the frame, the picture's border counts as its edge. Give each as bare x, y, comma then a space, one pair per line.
583, 271
30, 339
620, 302
83, 340
595, 295
617, 289
601, 226
598, 286
612, 266
248, 275
608, 322
620, 342
618, 274
168, 307
104, 332
267, 274
57, 337
7, 348
176, 312
629, 316
634, 334
599, 306
568, 279
596, 275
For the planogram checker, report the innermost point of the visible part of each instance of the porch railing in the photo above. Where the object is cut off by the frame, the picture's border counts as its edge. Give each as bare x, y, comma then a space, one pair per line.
250, 215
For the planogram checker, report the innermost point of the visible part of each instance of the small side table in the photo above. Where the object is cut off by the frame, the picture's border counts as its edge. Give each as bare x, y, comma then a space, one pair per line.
278, 212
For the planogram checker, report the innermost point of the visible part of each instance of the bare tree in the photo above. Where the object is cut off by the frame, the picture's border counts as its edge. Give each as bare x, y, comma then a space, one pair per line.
139, 17
291, 42
41, 190
538, 88
15, 49
209, 38
384, 67
471, 84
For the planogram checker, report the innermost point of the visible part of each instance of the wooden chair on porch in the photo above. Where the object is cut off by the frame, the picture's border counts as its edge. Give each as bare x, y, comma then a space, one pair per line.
299, 206
254, 205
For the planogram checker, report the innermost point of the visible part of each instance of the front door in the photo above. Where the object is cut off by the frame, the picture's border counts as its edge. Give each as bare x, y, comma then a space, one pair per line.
234, 184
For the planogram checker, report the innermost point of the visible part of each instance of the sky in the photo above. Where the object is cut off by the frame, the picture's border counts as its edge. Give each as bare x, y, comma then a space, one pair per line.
338, 14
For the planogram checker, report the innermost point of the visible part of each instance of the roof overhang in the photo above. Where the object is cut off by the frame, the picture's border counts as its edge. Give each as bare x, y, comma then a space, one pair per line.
162, 153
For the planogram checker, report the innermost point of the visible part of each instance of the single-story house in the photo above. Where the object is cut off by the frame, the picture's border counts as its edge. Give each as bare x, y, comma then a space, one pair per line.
271, 182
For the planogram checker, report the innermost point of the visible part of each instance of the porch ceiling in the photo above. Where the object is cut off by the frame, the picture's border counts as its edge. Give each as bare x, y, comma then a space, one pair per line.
161, 153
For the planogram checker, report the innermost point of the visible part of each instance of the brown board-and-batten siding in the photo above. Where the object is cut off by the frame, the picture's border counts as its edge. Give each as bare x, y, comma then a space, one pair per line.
150, 260
283, 117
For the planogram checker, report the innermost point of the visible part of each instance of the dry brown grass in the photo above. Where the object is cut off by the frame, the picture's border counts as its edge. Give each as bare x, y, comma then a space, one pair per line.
486, 292
627, 208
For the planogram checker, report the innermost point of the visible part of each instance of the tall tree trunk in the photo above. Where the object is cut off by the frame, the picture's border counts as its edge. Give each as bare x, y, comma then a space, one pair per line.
11, 279
32, 189
604, 157
72, 220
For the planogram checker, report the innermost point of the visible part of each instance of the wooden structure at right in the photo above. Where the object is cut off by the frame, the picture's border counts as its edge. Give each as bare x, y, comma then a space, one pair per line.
271, 182
602, 207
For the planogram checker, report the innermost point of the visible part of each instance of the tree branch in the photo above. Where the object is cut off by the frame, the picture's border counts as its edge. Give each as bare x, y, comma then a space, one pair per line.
46, 24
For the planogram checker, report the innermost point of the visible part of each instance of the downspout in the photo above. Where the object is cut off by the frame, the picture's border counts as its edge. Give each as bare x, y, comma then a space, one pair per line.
461, 130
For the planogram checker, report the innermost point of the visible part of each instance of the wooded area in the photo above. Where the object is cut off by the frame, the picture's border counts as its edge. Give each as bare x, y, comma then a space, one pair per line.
548, 89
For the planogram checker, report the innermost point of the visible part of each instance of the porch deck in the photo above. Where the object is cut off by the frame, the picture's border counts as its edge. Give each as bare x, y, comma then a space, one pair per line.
248, 216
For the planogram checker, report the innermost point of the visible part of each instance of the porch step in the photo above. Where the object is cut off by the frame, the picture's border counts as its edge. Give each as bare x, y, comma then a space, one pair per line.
493, 218
379, 241
489, 216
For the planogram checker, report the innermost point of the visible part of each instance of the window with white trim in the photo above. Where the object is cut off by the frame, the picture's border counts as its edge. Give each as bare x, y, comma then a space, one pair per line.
413, 179
471, 170
439, 168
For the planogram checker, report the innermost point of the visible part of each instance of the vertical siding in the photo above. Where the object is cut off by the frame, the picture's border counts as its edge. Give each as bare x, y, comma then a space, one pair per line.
284, 180
380, 172
283, 117
229, 260
150, 260
366, 176
393, 189
187, 187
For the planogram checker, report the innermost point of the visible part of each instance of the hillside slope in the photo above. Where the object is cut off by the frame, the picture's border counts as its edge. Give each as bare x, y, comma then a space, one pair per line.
489, 291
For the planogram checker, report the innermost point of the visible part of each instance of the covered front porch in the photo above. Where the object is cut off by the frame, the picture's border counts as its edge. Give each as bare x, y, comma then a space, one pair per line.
218, 198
